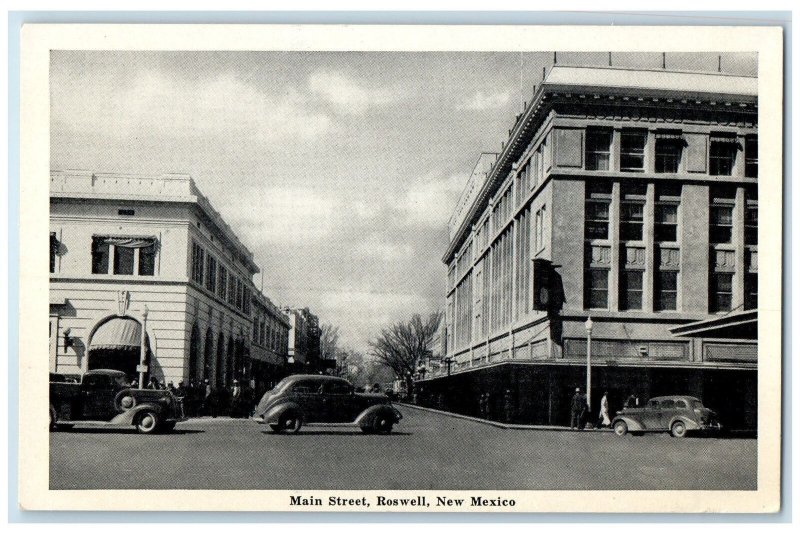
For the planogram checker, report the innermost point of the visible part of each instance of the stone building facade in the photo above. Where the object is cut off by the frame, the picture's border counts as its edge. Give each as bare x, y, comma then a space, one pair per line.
627, 196
133, 250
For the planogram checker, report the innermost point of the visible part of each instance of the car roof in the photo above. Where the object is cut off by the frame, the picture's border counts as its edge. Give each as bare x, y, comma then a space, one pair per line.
297, 378
116, 372
675, 397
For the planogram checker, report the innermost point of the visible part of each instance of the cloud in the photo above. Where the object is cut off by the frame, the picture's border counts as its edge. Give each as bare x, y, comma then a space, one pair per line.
345, 94
431, 200
483, 101
154, 102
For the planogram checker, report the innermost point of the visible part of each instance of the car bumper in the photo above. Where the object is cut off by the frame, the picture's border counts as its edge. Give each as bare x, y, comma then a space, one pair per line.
258, 419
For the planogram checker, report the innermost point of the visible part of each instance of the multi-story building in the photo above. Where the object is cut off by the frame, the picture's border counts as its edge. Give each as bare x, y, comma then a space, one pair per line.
269, 349
132, 250
626, 196
304, 340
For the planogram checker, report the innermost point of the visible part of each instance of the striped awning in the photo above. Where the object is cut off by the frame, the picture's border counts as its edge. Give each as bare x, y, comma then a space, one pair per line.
118, 333
723, 138
674, 135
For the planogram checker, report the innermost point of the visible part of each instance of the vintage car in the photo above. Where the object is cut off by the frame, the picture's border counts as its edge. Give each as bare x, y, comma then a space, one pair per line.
676, 414
105, 395
300, 399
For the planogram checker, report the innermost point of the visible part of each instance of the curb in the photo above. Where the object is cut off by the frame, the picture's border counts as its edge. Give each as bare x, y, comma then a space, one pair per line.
497, 424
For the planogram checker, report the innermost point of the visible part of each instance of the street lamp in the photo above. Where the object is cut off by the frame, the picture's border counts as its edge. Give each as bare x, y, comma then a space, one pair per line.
143, 349
449, 361
588, 326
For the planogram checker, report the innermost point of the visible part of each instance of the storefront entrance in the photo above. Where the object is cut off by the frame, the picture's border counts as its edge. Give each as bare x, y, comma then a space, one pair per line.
116, 344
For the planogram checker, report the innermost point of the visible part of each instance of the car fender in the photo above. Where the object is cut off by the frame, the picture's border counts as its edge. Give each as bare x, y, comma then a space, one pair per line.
690, 423
274, 413
367, 417
633, 424
128, 417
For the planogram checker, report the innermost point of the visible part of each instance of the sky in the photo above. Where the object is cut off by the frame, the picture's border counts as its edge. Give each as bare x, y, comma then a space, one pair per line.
338, 170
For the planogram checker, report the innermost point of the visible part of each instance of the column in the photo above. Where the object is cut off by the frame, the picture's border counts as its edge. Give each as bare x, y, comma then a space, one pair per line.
737, 301
613, 222
651, 262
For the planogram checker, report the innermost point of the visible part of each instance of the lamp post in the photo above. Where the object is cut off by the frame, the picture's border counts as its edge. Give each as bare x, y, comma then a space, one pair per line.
449, 361
588, 326
143, 349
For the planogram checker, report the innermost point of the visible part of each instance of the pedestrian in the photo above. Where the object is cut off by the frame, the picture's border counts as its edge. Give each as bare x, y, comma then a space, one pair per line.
578, 408
632, 401
482, 406
134, 384
508, 406
171, 387
603, 420
488, 406
236, 399
208, 399
153, 383
180, 391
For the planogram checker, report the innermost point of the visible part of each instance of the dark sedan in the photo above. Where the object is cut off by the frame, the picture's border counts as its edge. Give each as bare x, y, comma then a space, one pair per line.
300, 399
676, 414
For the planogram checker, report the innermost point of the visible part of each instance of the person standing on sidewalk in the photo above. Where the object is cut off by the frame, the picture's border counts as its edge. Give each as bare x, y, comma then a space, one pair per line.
578, 408
603, 419
508, 406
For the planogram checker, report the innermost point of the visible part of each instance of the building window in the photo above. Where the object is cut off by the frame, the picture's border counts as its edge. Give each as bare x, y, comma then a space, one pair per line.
198, 262
222, 284
669, 148
668, 199
597, 219
721, 224
597, 288
147, 260
722, 154
750, 291
239, 294
721, 289
123, 260
598, 149
53, 251
123, 255
666, 291
101, 253
751, 223
231, 289
211, 274
632, 221
630, 290
246, 302
632, 143
751, 156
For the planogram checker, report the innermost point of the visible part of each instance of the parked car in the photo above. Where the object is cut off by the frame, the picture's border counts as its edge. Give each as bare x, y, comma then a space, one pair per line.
105, 395
300, 399
676, 414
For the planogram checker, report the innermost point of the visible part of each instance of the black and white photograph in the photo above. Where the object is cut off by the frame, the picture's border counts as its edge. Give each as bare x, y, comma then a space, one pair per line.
427, 280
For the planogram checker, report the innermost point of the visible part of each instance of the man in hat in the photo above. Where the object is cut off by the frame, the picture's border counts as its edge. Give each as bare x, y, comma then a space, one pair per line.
578, 406
236, 399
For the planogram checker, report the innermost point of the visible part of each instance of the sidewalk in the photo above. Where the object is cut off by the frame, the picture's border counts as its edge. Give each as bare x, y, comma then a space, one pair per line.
498, 424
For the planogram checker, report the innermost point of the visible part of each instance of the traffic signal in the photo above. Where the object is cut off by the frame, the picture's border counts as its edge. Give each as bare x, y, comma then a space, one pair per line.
542, 287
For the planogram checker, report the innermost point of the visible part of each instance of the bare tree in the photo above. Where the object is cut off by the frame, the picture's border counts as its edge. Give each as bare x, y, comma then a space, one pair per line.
403, 345
329, 342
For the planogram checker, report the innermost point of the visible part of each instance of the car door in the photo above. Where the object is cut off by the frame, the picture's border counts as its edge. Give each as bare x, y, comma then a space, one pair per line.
667, 413
308, 394
98, 397
339, 402
651, 415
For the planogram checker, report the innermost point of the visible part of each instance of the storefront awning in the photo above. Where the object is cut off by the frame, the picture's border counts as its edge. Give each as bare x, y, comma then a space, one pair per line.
118, 333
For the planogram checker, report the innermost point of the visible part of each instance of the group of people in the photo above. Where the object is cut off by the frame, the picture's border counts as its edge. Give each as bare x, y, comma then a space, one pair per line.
486, 406
201, 398
580, 414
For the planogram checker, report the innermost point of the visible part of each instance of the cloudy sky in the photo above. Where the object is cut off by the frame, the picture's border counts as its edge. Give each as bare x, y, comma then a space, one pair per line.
338, 170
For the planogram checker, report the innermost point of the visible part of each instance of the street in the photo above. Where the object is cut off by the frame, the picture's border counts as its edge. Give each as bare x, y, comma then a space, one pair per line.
426, 451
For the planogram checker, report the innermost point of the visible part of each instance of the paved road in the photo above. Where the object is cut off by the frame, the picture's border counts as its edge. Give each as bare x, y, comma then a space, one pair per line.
427, 451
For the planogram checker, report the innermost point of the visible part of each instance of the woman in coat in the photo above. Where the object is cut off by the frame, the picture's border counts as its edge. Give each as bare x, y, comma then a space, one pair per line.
603, 419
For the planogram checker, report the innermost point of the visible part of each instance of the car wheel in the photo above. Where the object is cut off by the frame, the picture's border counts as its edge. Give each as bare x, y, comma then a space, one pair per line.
289, 422
147, 422
678, 429
620, 428
124, 401
383, 424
